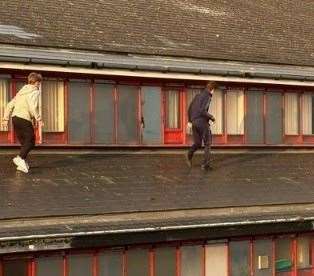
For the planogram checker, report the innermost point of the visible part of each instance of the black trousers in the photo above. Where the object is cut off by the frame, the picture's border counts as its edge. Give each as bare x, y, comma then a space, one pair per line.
25, 134
201, 133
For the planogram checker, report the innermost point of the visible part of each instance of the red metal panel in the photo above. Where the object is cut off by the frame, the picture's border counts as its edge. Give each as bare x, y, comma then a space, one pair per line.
151, 262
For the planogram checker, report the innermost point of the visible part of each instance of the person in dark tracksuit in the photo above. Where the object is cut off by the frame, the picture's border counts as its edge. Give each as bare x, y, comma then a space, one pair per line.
199, 118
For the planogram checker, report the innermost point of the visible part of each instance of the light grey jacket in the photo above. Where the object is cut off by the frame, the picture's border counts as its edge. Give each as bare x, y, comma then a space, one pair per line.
24, 105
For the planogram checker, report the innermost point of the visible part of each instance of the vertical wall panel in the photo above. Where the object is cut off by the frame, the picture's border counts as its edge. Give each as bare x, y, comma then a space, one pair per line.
165, 263
128, 120
104, 113
263, 264
254, 117
49, 266
151, 97
173, 109
4, 99
235, 112
53, 106
15, 268
191, 260
216, 262
273, 118
137, 262
239, 258
216, 109
111, 263
307, 116
291, 114
79, 112
80, 265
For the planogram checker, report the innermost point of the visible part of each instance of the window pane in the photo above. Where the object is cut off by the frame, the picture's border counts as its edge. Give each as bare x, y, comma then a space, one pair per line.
104, 113
79, 112
283, 255
137, 262
291, 114
4, 99
191, 258
49, 266
308, 113
263, 257
216, 260
254, 117
239, 255
110, 263
80, 265
15, 268
235, 112
173, 109
165, 262
128, 117
53, 106
216, 109
304, 249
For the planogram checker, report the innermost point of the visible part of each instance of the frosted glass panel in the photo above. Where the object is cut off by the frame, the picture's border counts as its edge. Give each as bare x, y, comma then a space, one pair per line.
235, 112
80, 265
111, 263
4, 99
49, 266
137, 262
239, 255
216, 109
191, 257
216, 262
165, 261
291, 114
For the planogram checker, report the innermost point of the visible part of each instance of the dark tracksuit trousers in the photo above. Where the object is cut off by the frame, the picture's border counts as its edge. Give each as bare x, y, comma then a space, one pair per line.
201, 133
25, 134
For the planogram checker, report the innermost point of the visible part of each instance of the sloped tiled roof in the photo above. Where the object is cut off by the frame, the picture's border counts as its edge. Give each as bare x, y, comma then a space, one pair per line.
267, 31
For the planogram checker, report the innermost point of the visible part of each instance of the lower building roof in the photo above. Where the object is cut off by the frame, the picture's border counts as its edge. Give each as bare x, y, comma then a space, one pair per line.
74, 195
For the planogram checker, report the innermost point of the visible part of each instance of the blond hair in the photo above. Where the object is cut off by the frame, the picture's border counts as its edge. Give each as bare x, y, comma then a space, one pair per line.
34, 77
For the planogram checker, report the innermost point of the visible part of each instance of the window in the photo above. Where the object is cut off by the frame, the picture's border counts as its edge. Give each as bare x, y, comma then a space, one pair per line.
173, 109
4, 99
308, 113
216, 262
15, 267
137, 262
165, 262
216, 109
49, 266
291, 114
80, 265
191, 257
53, 106
283, 255
239, 256
111, 263
235, 112
304, 250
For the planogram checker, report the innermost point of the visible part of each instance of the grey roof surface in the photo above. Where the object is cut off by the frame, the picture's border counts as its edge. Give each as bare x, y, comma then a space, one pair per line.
90, 195
279, 32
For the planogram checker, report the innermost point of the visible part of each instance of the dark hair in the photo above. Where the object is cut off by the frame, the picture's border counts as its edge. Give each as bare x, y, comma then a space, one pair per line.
34, 77
212, 85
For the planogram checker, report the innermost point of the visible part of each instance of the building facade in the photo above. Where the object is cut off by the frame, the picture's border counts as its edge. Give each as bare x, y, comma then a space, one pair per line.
105, 111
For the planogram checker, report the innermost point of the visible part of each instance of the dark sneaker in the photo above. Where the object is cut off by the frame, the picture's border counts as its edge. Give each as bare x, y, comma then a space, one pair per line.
188, 160
207, 167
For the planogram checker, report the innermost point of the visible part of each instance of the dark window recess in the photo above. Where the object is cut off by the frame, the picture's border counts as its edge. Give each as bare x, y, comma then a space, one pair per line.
15, 268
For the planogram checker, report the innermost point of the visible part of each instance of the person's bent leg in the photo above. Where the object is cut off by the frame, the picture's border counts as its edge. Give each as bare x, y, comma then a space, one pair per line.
197, 141
207, 146
29, 141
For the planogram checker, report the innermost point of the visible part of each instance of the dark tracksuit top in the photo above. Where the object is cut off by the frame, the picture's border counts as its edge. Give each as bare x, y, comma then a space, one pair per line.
199, 106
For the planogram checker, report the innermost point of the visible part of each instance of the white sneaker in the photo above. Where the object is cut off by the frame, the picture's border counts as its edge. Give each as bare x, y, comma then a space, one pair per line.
21, 169
21, 164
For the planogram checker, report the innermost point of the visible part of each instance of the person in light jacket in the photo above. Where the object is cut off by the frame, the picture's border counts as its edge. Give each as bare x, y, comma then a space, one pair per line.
198, 120
24, 110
